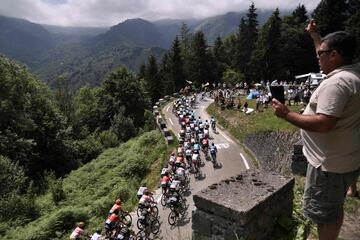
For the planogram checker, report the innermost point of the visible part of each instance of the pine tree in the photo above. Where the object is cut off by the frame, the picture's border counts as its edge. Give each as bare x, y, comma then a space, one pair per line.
219, 62
152, 80
200, 60
185, 43
177, 73
330, 16
267, 59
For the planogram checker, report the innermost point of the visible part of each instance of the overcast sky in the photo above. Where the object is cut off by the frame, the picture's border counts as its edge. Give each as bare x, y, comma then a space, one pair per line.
111, 12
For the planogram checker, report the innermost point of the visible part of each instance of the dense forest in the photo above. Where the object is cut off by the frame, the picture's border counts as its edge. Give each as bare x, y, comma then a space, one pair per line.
46, 133
279, 49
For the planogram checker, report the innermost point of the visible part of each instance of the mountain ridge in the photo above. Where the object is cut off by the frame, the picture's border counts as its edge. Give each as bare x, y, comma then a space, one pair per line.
88, 55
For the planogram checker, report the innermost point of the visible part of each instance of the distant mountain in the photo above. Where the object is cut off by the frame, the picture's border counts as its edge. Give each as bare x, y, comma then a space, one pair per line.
24, 40
75, 31
86, 55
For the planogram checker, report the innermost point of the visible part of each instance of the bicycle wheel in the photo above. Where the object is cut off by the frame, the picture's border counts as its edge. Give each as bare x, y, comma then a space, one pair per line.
127, 219
138, 211
163, 200
141, 236
155, 226
139, 225
172, 218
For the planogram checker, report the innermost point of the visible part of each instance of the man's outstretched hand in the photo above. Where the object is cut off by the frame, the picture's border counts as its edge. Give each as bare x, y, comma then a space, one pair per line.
280, 109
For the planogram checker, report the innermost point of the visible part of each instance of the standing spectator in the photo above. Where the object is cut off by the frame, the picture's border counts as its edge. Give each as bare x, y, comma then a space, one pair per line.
330, 129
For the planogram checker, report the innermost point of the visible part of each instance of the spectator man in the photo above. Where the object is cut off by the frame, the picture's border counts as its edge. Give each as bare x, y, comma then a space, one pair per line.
330, 129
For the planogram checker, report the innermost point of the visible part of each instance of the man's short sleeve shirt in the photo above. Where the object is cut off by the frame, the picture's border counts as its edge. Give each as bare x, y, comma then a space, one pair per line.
339, 96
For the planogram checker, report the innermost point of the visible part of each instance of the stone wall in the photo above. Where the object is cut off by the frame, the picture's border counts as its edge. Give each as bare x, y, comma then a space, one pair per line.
246, 206
274, 150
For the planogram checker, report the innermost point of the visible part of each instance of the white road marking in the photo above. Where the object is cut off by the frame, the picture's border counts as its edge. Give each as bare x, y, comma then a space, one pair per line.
245, 162
225, 136
167, 109
171, 121
222, 145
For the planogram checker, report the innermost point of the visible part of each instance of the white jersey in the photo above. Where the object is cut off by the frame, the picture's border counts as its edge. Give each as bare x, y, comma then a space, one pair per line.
175, 185
195, 157
141, 190
96, 236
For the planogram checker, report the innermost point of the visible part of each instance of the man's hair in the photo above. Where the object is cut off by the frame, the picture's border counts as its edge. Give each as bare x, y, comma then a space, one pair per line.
343, 43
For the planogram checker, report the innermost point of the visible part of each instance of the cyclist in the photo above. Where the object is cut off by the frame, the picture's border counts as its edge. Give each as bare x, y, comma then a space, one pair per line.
205, 144
78, 231
172, 159
124, 233
206, 133
165, 171
145, 201
175, 184
117, 206
180, 173
165, 183
213, 123
112, 220
206, 125
196, 148
141, 190
213, 151
97, 235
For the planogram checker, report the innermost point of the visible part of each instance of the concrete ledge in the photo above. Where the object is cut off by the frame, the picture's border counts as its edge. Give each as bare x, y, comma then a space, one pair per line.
247, 205
166, 132
169, 139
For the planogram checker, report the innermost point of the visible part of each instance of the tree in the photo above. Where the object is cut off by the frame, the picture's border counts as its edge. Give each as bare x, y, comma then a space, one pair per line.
200, 60
353, 25
64, 97
87, 112
185, 43
240, 60
296, 45
337, 9
251, 36
232, 77
218, 56
165, 74
266, 62
33, 131
176, 63
118, 89
153, 84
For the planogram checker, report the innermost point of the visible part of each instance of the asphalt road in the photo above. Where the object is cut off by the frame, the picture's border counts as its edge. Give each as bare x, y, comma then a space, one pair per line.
231, 156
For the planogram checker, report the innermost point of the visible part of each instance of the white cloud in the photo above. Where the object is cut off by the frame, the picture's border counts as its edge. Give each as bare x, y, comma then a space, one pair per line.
111, 12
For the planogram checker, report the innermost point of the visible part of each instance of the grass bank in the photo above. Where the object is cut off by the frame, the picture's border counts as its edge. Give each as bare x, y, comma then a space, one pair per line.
89, 192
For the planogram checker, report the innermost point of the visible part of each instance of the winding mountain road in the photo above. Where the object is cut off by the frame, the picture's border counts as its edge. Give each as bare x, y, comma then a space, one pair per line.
231, 156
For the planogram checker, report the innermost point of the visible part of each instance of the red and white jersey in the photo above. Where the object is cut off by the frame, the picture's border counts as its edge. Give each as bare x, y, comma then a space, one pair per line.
77, 233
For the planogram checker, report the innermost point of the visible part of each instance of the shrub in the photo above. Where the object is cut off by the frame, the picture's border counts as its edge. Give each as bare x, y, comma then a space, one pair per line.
57, 192
57, 224
108, 139
134, 166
